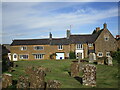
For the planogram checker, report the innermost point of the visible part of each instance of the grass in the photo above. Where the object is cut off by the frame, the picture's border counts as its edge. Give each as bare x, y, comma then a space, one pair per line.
106, 75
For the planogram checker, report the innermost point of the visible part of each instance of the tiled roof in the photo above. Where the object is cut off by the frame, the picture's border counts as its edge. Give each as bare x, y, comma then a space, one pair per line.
90, 38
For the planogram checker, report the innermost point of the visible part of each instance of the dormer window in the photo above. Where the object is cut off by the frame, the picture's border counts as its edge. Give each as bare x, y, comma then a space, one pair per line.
60, 47
23, 48
38, 48
79, 46
90, 44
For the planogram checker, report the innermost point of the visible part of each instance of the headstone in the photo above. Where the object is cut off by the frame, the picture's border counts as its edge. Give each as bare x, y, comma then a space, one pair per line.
91, 57
94, 56
6, 80
89, 75
23, 82
109, 61
74, 69
36, 77
53, 84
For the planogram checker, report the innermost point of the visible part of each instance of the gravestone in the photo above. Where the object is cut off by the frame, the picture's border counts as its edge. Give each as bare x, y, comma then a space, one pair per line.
89, 75
109, 61
74, 69
23, 82
92, 57
6, 80
36, 77
53, 84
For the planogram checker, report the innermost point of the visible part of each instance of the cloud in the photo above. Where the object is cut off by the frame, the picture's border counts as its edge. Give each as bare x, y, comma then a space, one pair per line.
36, 19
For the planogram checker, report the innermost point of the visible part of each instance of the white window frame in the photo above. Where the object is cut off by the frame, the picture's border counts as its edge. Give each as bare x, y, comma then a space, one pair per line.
106, 38
99, 54
23, 58
107, 54
38, 49
22, 48
60, 47
90, 44
37, 56
79, 46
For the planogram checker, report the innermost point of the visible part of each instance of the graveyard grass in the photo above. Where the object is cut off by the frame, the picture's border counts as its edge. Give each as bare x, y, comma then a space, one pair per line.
107, 76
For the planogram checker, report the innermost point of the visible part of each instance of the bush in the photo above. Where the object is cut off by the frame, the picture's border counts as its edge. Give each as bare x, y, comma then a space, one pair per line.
72, 55
116, 55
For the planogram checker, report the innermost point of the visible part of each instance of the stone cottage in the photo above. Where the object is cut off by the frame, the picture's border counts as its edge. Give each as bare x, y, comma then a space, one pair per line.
100, 42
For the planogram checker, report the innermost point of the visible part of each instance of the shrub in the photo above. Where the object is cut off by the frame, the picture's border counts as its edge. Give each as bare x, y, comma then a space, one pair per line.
116, 55
72, 55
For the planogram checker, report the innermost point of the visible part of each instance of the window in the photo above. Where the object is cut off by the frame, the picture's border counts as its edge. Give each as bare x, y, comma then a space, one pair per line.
23, 56
39, 56
23, 48
106, 38
107, 54
100, 54
60, 47
38, 48
90, 45
79, 46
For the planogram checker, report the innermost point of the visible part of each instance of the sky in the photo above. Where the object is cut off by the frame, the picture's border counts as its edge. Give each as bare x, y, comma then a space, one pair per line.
35, 20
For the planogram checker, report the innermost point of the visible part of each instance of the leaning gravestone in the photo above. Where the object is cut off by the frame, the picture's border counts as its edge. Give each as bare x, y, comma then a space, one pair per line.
53, 84
109, 61
6, 80
89, 75
74, 69
23, 82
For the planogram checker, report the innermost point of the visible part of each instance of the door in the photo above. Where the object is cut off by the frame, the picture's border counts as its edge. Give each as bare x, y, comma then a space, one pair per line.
60, 56
14, 57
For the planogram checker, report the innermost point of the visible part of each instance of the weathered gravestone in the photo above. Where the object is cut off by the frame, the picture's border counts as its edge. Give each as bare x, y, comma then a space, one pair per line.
53, 84
92, 57
6, 80
74, 69
89, 75
36, 77
109, 61
23, 82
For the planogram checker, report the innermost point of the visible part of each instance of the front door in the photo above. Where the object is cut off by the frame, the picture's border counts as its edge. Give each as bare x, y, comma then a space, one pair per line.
14, 57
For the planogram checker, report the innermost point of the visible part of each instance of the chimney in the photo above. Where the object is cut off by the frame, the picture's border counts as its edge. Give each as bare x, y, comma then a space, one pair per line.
97, 29
105, 26
68, 34
50, 36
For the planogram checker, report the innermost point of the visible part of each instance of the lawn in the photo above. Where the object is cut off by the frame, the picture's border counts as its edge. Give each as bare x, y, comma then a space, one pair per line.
107, 76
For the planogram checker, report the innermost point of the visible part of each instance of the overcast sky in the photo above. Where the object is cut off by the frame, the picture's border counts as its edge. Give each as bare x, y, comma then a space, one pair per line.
34, 20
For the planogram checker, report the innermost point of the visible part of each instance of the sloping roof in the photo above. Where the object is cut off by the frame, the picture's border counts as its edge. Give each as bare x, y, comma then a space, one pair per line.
89, 38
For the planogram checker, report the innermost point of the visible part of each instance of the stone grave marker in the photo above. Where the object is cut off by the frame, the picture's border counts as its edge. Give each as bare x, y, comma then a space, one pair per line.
74, 69
90, 57
36, 77
53, 84
109, 61
6, 80
23, 82
89, 75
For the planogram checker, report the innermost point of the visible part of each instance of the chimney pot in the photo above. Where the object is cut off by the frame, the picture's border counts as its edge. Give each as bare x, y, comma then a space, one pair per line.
105, 26
97, 29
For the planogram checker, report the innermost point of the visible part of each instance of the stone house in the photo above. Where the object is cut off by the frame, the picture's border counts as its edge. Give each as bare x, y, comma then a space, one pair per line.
100, 42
